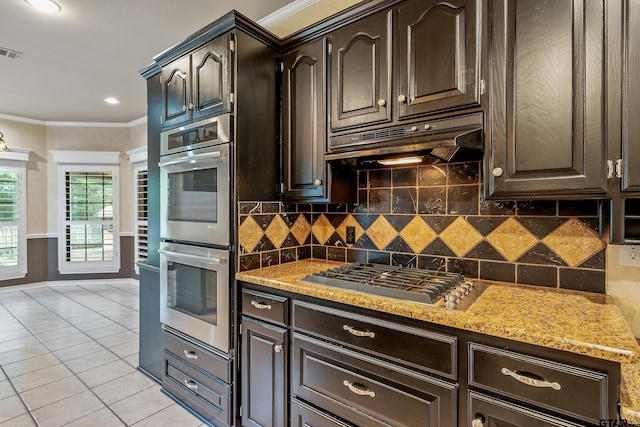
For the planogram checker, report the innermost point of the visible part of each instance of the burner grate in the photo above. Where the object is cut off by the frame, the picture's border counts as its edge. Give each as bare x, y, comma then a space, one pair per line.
427, 286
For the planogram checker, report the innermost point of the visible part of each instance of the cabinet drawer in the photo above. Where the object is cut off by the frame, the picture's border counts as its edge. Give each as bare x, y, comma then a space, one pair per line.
207, 396
426, 350
203, 359
305, 416
539, 381
494, 412
367, 391
263, 306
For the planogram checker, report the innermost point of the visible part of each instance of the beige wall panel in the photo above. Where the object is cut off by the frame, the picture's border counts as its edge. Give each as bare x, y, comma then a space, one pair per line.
31, 136
623, 283
310, 15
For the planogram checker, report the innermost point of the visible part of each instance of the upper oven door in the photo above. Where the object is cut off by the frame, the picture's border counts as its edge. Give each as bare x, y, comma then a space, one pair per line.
194, 196
204, 133
194, 292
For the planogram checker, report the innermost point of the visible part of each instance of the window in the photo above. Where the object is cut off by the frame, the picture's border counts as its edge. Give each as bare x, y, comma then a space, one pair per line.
138, 159
141, 215
89, 238
13, 214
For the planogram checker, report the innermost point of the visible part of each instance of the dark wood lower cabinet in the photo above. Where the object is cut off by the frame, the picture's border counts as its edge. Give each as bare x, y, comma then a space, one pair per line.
334, 365
198, 379
367, 391
264, 374
150, 356
303, 415
486, 411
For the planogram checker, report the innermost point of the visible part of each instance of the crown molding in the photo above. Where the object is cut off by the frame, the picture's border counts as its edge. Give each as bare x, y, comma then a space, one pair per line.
285, 12
130, 124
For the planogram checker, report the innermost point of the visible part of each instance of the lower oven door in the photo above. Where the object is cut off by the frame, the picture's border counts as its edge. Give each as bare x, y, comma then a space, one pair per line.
194, 292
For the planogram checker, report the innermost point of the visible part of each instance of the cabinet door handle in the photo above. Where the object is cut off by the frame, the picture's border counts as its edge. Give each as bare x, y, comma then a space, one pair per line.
533, 382
382, 102
402, 98
184, 108
357, 332
360, 391
278, 348
260, 305
191, 385
317, 182
190, 355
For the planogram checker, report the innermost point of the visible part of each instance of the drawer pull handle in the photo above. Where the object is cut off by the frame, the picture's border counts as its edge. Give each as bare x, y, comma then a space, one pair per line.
191, 385
357, 332
190, 355
260, 305
478, 421
359, 390
530, 381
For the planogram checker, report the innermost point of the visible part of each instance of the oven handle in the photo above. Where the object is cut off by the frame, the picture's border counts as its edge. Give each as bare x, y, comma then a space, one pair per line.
194, 158
189, 256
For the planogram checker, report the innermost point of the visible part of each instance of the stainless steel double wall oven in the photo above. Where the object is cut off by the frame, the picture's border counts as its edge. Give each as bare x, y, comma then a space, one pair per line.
195, 257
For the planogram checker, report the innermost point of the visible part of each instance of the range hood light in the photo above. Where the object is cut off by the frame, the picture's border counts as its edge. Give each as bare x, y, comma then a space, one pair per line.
401, 161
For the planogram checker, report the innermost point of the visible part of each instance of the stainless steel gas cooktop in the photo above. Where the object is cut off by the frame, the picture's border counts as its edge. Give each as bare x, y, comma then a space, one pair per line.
448, 290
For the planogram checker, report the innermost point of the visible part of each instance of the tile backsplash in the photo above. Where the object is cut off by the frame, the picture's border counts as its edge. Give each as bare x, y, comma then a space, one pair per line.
434, 217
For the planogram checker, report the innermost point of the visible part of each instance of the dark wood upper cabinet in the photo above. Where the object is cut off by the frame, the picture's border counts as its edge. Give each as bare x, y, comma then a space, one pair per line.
631, 98
360, 72
198, 85
304, 120
211, 78
545, 127
176, 88
438, 56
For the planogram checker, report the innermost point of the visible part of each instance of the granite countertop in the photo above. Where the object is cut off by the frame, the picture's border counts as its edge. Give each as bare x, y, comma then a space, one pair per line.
576, 322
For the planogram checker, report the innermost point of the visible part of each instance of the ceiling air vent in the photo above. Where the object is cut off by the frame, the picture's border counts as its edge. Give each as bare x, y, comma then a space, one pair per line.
12, 54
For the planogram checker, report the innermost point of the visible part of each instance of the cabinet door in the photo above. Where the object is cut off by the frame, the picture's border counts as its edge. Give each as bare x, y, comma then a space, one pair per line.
264, 374
631, 98
212, 78
545, 126
304, 121
176, 88
492, 412
438, 56
360, 73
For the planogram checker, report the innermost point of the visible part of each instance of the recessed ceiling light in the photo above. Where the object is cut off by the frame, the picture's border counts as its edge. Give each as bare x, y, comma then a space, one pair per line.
48, 6
111, 100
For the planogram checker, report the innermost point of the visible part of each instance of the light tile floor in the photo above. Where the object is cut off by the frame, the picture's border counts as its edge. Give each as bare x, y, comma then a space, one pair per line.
68, 357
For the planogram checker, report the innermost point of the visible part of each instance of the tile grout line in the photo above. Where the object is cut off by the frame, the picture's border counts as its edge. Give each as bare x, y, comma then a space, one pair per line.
24, 404
60, 360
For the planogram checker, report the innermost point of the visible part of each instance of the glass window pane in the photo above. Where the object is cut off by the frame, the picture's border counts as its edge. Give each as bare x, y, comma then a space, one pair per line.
8, 245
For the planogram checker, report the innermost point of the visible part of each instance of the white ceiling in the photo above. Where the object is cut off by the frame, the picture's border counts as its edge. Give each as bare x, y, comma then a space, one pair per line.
93, 49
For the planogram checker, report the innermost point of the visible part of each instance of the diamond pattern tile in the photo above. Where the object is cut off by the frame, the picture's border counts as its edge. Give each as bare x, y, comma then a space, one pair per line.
417, 234
301, 229
277, 231
381, 232
322, 229
350, 221
574, 242
249, 234
460, 236
511, 239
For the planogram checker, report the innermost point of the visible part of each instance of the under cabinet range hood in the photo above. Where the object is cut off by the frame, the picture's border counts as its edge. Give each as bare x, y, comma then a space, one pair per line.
441, 138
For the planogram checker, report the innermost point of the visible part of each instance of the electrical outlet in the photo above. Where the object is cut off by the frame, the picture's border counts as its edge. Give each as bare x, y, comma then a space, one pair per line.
351, 235
630, 255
